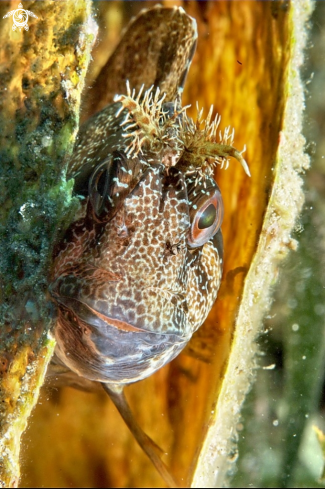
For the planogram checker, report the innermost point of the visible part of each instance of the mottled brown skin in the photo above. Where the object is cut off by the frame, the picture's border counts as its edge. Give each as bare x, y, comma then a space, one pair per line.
131, 290
130, 285
139, 270
156, 49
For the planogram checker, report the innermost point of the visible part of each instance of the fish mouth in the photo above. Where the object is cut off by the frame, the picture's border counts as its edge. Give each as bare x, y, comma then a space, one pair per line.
105, 349
98, 340
67, 293
121, 305
95, 318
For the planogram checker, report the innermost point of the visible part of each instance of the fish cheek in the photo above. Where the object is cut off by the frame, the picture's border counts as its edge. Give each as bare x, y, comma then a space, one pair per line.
204, 277
71, 347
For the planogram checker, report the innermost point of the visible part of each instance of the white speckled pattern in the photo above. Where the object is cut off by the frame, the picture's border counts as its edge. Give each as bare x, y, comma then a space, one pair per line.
139, 270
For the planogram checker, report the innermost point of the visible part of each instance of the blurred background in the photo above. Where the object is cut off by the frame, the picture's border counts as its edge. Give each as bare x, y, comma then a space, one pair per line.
278, 445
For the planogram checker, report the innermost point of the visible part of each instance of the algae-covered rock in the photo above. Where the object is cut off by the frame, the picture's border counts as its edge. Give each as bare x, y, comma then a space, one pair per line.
42, 72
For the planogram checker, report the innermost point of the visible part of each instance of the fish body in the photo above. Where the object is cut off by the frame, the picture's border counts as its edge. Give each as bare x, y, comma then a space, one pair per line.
130, 286
139, 269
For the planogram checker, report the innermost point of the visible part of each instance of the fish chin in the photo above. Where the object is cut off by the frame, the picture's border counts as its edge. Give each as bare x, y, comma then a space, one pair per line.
109, 350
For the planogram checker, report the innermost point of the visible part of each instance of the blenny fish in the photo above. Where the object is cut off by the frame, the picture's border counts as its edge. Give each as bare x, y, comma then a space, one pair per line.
138, 271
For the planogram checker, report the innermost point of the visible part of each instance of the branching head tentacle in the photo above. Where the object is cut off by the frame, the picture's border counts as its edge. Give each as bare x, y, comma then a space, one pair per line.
193, 146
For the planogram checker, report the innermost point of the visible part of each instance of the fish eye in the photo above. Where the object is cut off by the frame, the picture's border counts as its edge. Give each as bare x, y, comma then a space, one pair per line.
111, 181
102, 181
206, 218
99, 186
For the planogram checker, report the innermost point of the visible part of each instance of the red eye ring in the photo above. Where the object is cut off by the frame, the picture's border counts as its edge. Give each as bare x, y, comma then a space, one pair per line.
211, 210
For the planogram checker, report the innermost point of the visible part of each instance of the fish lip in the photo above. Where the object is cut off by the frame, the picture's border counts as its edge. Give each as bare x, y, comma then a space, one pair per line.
100, 351
99, 319
67, 291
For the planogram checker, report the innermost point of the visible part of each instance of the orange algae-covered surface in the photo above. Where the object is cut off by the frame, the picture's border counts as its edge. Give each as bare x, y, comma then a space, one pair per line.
77, 439
39, 116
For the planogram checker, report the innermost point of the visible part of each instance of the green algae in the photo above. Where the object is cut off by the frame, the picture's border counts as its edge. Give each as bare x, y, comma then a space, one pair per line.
41, 79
